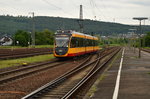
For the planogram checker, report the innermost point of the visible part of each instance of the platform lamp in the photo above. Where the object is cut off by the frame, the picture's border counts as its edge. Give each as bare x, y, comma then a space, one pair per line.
140, 19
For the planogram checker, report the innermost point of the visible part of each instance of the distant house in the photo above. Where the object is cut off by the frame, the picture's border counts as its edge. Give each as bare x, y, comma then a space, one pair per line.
6, 41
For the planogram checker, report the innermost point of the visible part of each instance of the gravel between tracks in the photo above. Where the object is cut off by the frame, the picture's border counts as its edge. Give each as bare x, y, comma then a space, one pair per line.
23, 86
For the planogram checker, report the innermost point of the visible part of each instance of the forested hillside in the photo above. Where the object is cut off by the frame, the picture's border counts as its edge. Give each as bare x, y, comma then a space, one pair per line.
10, 24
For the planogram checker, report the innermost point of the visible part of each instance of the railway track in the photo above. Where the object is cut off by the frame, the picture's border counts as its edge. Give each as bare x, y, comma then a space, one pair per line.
67, 85
80, 89
19, 53
11, 75
146, 50
8, 76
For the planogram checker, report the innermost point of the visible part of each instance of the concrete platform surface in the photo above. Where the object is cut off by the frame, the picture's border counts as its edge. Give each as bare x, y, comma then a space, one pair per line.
134, 82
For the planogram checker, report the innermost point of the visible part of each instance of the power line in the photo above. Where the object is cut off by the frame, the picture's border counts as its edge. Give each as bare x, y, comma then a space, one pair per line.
10, 7
47, 2
94, 6
106, 8
51, 4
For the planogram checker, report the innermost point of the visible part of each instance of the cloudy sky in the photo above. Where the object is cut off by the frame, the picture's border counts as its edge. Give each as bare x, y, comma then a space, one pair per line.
120, 11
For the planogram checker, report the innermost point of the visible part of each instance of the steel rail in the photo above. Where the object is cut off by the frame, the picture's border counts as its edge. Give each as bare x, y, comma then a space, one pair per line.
44, 67
53, 83
93, 72
23, 55
11, 78
146, 50
58, 80
27, 67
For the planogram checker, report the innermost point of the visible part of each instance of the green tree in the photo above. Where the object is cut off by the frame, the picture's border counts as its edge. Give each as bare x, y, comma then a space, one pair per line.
10, 24
45, 37
147, 39
22, 38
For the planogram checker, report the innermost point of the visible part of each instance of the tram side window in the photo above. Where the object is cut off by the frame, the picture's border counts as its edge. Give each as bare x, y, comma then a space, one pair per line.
73, 42
87, 42
78, 42
81, 42
91, 41
84, 42
94, 43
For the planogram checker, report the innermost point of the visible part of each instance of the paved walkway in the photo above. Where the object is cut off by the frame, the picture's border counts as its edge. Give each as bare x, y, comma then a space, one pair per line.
134, 82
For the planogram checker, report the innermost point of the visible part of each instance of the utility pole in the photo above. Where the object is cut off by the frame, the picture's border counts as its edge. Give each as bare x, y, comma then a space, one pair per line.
140, 19
33, 30
80, 21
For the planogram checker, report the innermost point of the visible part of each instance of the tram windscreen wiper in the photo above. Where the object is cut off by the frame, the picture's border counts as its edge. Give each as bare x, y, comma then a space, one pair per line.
65, 44
62, 41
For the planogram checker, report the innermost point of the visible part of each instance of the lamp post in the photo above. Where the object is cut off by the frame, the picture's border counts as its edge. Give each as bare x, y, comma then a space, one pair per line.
140, 19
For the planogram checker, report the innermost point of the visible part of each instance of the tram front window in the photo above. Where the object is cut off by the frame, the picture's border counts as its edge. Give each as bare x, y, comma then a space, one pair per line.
62, 41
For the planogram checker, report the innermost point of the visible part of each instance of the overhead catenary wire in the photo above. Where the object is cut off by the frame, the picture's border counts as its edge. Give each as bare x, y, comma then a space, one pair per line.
98, 8
106, 8
93, 8
10, 7
47, 2
94, 5
101, 15
50, 4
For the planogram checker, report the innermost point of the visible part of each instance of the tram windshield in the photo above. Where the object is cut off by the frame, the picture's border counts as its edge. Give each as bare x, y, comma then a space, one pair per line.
62, 41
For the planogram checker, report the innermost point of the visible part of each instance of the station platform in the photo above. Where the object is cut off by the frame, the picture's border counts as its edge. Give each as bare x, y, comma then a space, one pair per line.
132, 81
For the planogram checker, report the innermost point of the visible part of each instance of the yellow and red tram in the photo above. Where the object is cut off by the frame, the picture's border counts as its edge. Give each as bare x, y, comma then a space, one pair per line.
70, 43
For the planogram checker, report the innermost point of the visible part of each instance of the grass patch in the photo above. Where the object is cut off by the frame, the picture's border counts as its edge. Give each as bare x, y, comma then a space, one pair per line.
44, 46
8, 47
148, 72
110, 45
16, 62
146, 47
92, 90
134, 57
94, 87
114, 44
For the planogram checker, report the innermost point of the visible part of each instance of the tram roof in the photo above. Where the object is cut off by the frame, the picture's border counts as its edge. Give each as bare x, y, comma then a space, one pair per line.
74, 33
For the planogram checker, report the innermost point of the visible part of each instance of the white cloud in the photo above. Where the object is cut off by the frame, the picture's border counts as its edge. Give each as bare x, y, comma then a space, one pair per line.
106, 10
